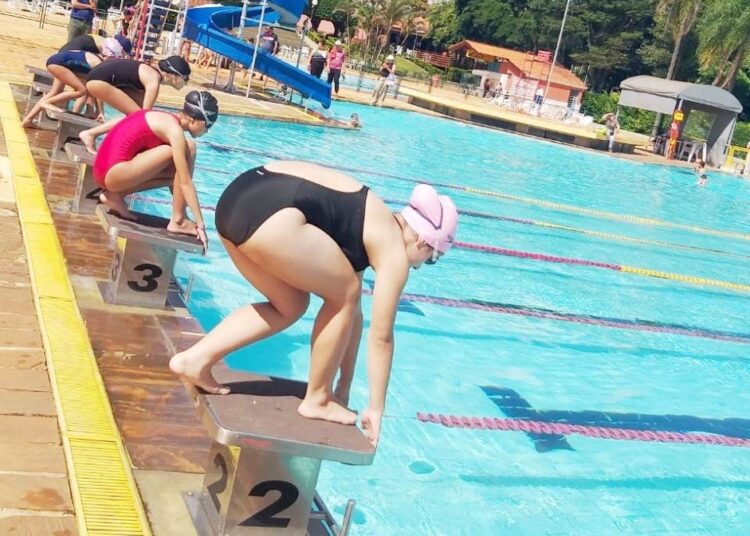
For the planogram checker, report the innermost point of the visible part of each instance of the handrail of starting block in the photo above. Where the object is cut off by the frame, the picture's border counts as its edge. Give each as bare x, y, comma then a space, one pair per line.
149, 229
261, 413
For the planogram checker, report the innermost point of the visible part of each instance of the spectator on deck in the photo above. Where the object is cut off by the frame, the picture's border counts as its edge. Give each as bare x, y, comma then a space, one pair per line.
81, 18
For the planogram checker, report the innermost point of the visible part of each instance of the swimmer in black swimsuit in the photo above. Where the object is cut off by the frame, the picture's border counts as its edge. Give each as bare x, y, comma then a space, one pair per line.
129, 85
295, 229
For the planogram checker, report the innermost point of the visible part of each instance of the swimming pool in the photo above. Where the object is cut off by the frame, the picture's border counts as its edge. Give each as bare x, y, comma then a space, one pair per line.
496, 335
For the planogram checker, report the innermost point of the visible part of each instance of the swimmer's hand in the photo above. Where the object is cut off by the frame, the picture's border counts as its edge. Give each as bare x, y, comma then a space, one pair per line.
370, 422
200, 231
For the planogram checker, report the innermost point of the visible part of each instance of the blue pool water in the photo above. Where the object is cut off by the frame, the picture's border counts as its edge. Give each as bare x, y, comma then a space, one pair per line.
431, 480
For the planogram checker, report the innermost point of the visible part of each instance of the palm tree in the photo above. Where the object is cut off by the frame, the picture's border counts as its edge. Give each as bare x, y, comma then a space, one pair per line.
349, 9
724, 34
679, 17
393, 11
414, 20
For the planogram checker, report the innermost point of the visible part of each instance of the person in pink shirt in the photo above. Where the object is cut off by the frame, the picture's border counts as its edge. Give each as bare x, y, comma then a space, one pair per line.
336, 59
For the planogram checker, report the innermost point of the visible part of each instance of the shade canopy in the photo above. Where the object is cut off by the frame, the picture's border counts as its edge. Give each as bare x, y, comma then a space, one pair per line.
662, 96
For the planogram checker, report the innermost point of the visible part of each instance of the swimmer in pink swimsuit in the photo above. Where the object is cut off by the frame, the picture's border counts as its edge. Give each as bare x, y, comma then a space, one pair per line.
148, 149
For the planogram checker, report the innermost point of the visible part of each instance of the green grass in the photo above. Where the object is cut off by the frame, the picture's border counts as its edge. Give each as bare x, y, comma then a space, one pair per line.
405, 67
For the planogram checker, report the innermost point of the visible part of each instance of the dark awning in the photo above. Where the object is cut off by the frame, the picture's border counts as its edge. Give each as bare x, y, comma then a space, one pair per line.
660, 95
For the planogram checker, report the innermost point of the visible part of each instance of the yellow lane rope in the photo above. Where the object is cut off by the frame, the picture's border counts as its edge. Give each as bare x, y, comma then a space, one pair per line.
639, 220
684, 278
105, 495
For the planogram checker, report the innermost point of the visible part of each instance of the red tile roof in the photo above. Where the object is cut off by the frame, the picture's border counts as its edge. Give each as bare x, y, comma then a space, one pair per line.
522, 61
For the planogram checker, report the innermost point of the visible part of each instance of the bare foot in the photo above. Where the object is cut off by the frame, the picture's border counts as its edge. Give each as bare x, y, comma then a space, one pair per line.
88, 141
328, 411
28, 123
116, 205
186, 226
196, 373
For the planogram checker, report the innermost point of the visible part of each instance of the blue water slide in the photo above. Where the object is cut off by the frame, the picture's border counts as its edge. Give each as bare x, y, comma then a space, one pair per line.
208, 25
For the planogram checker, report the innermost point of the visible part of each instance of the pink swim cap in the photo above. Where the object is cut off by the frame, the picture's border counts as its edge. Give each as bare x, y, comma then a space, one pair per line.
434, 217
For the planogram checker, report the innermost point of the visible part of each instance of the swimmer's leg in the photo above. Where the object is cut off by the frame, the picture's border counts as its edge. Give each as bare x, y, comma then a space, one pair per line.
109, 94
69, 78
88, 136
136, 175
346, 370
243, 326
306, 258
57, 87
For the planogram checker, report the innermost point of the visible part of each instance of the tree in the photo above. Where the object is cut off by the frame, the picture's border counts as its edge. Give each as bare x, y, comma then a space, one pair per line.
444, 24
724, 34
678, 17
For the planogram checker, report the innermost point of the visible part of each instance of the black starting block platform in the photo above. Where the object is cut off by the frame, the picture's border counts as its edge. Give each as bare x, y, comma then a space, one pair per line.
145, 255
265, 458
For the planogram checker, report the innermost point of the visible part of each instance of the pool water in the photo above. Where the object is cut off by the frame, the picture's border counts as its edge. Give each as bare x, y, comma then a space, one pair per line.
507, 361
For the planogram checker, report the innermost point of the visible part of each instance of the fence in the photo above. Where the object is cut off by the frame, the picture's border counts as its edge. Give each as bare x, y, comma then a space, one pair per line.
738, 160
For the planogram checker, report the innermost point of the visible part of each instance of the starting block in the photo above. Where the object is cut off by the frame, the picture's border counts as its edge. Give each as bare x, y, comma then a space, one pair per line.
144, 259
39, 74
87, 191
69, 126
265, 458
36, 92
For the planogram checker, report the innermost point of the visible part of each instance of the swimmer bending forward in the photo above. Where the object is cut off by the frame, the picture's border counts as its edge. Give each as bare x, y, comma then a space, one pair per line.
295, 229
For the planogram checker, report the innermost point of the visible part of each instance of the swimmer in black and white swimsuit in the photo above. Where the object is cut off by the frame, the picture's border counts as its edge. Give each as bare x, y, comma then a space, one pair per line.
295, 229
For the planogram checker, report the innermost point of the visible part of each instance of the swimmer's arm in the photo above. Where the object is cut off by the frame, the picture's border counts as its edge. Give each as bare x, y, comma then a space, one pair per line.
389, 284
150, 79
183, 177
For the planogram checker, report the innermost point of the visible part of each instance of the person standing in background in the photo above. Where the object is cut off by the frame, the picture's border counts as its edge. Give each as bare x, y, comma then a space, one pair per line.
336, 59
81, 18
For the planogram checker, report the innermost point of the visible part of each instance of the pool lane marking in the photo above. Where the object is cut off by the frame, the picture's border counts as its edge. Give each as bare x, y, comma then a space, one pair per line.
593, 320
561, 207
600, 432
103, 489
514, 406
644, 272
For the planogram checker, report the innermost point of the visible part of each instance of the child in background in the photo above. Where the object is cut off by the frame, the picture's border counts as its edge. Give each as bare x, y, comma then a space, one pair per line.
700, 170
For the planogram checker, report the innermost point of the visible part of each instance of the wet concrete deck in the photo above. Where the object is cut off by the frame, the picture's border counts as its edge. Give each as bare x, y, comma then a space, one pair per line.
34, 492
166, 442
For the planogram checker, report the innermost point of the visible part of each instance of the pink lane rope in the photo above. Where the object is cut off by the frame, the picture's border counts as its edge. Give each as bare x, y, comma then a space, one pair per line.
536, 256
538, 427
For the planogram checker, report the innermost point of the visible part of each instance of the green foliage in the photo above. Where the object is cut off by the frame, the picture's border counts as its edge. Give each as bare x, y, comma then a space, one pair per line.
741, 134
444, 29
409, 68
598, 104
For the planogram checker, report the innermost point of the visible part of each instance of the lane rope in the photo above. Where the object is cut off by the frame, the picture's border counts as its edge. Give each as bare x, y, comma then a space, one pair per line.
644, 272
592, 320
540, 427
562, 207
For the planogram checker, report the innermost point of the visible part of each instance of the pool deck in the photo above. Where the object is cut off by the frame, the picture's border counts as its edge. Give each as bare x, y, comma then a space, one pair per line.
55, 327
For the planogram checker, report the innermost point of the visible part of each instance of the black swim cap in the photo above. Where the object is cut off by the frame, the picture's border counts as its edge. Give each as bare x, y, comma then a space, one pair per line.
175, 65
203, 106
125, 43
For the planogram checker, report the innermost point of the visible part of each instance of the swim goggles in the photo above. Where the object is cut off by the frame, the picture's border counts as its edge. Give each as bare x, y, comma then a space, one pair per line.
435, 253
204, 113
170, 68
